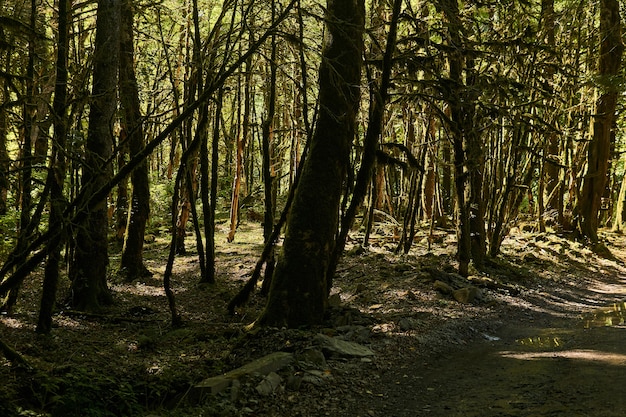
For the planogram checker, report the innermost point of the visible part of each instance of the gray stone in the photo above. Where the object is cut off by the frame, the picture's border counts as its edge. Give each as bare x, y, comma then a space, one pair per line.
407, 323
312, 358
335, 346
315, 377
270, 384
294, 382
262, 366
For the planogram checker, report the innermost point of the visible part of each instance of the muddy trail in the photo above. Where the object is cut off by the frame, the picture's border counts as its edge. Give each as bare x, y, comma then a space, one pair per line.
558, 351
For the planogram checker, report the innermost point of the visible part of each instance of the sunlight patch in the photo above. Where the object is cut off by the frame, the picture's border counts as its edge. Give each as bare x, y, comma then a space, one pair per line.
12, 322
140, 289
615, 359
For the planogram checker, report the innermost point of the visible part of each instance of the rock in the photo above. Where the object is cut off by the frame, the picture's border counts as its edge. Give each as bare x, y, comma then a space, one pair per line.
270, 384
262, 366
235, 390
358, 334
316, 377
335, 346
442, 287
407, 323
465, 295
334, 300
313, 358
294, 382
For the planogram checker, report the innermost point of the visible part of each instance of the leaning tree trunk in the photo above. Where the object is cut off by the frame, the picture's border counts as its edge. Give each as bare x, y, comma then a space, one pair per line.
132, 252
89, 270
298, 293
599, 149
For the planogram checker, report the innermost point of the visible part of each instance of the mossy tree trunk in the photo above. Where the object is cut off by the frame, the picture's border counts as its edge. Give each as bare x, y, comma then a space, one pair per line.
132, 253
298, 294
602, 134
89, 271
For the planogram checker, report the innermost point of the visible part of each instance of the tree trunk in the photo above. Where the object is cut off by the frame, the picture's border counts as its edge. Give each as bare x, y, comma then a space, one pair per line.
4, 131
269, 185
598, 152
298, 295
57, 171
26, 157
132, 252
380, 95
89, 272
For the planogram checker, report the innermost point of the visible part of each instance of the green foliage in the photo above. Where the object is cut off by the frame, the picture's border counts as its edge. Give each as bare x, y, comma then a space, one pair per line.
8, 226
161, 192
84, 392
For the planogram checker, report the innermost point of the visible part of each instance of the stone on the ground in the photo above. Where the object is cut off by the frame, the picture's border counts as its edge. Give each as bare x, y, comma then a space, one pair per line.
465, 295
408, 323
315, 377
270, 384
312, 358
262, 366
335, 346
442, 287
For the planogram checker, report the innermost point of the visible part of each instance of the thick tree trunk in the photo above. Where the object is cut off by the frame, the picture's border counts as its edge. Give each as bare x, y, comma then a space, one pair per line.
372, 137
132, 253
599, 149
298, 295
89, 270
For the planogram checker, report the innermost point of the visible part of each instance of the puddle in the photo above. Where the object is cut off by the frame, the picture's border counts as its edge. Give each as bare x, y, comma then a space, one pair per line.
613, 315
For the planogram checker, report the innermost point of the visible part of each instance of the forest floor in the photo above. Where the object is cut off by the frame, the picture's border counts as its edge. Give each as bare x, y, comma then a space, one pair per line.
538, 332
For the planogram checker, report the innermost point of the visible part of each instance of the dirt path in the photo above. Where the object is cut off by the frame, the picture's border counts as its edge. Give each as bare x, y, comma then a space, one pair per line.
544, 360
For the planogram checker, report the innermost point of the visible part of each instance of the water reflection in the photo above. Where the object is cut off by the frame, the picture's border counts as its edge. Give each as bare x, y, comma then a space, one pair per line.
613, 315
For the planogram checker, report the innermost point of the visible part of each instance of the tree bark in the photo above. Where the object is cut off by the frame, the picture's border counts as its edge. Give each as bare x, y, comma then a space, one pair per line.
57, 171
298, 294
132, 263
599, 149
89, 271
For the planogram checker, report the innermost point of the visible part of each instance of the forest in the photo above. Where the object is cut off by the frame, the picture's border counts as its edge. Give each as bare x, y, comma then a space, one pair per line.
186, 186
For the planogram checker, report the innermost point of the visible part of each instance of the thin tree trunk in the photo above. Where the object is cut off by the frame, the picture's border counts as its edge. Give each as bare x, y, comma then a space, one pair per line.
269, 185
240, 145
57, 171
26, 158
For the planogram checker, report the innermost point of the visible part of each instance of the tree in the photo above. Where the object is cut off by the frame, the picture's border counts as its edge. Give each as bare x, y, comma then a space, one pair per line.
132, 264
89, 269
466, 145
603, 125
298, 294
57, 172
